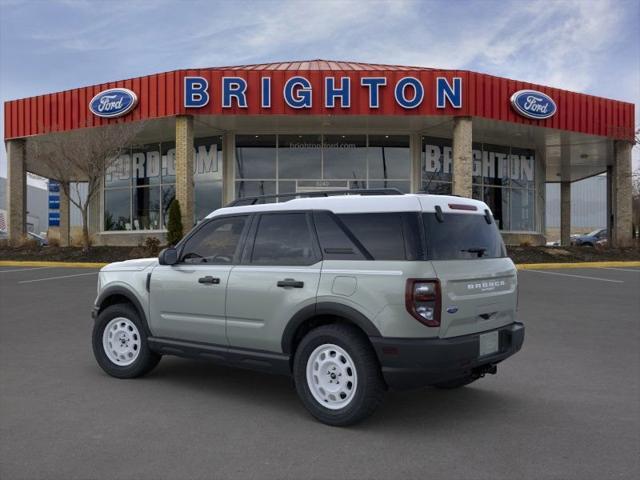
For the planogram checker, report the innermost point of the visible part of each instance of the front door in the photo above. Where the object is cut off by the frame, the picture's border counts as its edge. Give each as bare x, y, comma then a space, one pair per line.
187, 300
279, 276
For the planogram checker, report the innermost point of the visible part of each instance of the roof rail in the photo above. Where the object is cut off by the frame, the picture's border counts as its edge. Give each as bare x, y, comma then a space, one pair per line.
323, 193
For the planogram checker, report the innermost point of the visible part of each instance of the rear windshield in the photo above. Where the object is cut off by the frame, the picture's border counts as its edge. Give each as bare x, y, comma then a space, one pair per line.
461, 236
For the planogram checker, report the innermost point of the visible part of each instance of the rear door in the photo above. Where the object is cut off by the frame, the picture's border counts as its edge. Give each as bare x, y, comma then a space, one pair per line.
188, 299
279, 275
478, 282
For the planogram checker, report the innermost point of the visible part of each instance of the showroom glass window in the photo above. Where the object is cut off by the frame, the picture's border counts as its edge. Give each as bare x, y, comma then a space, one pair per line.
503, 177
140, 184
269, 164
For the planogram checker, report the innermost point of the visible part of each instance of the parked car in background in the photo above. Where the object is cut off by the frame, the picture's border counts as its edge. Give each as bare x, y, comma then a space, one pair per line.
41, 239
590, 239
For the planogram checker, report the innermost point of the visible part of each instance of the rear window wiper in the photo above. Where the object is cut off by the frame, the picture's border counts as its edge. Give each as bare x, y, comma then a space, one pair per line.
480, 251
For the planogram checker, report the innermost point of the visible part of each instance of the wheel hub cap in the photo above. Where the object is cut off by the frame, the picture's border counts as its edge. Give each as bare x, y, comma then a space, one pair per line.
121, 341
331, 376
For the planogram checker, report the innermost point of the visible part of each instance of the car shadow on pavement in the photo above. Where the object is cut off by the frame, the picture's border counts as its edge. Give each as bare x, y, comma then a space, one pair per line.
404, 411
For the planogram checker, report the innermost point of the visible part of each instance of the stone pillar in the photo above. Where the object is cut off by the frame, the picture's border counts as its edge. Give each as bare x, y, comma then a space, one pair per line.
65, 216
565, 213
16, 191
621, 184
462, 156
184, 170
228, 167
415, 147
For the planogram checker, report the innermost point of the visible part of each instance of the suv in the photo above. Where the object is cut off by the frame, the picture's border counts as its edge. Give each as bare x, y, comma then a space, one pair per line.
350, 294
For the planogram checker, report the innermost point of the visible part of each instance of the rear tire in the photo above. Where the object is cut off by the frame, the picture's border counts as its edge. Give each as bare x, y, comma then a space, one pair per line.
457, 383
120, 343
337, 375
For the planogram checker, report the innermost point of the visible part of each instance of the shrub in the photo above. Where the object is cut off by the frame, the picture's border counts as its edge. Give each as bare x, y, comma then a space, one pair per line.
526, 243
152, 246
54, 242
174, 225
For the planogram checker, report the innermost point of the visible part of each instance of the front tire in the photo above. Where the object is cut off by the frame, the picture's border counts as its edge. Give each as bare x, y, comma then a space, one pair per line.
337, 375
120, 343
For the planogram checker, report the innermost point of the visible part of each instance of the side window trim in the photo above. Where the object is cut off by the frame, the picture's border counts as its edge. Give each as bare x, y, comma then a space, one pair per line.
203, 224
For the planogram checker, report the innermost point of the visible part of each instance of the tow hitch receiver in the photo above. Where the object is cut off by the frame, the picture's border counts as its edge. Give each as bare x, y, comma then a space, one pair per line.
481, 371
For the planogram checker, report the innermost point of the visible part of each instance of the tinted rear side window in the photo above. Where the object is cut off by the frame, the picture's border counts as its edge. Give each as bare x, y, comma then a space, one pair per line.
284, 239
386, 236
462, 236
334, 240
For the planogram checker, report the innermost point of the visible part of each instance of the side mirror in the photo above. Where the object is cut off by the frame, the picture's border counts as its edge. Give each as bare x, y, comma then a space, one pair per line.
168, 256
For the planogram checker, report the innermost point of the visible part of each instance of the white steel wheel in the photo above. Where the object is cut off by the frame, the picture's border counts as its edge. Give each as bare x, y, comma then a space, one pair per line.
121, 341
331, 376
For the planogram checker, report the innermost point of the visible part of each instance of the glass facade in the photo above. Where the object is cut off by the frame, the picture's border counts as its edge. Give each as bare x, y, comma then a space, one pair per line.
269, 164
140, 184
503, 177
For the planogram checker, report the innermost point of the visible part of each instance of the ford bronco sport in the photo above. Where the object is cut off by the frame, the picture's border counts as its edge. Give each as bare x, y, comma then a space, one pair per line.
351, 294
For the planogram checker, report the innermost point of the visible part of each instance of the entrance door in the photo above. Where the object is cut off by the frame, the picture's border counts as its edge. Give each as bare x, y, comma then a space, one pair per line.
187, 300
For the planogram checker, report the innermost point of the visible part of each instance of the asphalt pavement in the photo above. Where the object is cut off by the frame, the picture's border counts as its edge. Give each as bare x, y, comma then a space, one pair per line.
566, 407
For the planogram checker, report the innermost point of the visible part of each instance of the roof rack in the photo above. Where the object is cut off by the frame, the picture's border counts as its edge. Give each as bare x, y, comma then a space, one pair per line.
245, 201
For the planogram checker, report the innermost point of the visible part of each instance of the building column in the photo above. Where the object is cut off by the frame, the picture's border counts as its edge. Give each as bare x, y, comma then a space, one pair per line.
462, 156
565, 213
16, 191
184, 170
228, 168
415, 147
65, 219
621, 185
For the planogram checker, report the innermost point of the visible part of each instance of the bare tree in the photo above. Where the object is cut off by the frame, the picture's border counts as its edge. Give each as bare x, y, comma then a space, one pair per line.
82, 156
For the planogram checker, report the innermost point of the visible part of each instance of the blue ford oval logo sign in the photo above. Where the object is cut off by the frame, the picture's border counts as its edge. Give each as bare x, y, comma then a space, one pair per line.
114, 102
533, 104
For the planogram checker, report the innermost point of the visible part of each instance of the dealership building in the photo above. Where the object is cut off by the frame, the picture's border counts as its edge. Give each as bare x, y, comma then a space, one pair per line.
209, 136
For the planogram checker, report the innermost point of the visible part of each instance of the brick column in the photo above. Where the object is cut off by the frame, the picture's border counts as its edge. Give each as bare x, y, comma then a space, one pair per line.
565, 213
228, 167
65, 219
462, 156
621, 185
184, 170
16, 191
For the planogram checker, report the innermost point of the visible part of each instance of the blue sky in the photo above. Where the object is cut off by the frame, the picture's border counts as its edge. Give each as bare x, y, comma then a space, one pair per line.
582, 45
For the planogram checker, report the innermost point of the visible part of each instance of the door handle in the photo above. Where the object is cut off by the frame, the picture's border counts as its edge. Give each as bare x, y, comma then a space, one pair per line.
290, 282
209, 280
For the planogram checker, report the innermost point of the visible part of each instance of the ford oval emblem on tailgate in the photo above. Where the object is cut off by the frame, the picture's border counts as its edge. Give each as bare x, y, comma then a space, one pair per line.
452, 309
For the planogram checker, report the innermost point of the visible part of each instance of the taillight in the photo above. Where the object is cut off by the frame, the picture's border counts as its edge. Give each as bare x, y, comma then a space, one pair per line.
422, 298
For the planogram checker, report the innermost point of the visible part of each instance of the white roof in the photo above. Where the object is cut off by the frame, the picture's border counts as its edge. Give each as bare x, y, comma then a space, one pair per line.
364, 204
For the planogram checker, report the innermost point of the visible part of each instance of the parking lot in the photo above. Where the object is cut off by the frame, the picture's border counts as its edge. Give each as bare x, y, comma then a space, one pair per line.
567, 406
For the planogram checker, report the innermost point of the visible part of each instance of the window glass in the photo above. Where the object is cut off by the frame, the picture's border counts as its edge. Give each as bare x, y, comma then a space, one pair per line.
117, 203
389, 157
146, 208
300, 156
118, 173
283, 239
208, 197
462, 236
436, 160
215, 243
334, 242
496, 199
145, 164
256, 156
380, 233
522, 166
168, 194
495, 165
521, 214
255, 188
345, 156
207, 161
476, 168
403, 186
436, 188
168, 162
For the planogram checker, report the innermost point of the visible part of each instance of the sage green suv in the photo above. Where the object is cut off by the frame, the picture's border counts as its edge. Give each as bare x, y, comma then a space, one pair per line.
351, 294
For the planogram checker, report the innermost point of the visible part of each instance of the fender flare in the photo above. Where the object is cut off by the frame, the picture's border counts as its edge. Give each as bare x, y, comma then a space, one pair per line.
326, 308
122, 291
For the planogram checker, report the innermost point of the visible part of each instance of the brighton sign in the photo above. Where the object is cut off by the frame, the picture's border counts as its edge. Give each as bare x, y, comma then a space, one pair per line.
113, 103
533, 104
408, 92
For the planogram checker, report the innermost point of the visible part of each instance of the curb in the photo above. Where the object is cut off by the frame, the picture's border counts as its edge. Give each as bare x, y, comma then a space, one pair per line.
549, 266
19, 263
519, 266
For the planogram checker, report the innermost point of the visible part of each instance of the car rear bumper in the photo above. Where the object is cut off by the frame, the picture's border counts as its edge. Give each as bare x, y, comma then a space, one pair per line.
411, 363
